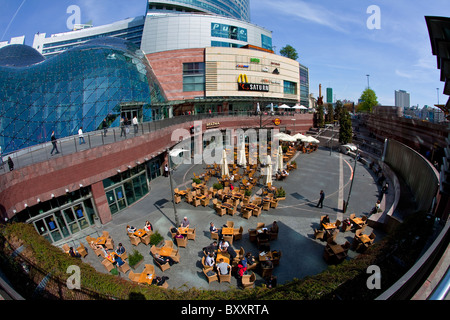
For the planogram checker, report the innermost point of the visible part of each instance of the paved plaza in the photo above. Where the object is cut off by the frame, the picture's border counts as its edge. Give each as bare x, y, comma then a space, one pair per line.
297, 217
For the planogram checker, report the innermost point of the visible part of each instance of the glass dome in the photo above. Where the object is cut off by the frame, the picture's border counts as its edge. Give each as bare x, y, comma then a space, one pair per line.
79, 87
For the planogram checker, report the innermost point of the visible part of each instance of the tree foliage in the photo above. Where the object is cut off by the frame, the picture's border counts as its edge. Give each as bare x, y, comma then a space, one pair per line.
289, 52
368, 100
345, 130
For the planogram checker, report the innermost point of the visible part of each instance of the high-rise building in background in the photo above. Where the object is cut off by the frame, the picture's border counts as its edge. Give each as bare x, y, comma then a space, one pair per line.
329, 95
304, 86
402, 99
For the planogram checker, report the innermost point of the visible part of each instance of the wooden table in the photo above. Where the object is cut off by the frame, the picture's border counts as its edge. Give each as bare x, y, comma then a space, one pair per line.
364, 238
143, 278
266, 256
227, 205
329, 226
100, 240
181, 192
165, 251
224, 256
140, 233
227, 231
357, 221
183, 230
110, 256
336, 248
251, 206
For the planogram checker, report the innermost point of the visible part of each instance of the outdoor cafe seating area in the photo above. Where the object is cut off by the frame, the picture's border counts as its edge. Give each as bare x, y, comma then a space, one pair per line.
335, 253
263, 262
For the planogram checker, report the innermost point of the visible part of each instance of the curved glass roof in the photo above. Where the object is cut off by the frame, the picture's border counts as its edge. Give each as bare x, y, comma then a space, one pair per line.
79, 87
19, 55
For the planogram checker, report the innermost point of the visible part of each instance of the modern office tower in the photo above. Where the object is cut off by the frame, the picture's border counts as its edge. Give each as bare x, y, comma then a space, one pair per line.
129, 29
304, 86
329, 95
238, 9
402, 99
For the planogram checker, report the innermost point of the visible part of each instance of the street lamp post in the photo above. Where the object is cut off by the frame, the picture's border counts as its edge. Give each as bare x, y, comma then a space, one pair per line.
368, 86
351, 184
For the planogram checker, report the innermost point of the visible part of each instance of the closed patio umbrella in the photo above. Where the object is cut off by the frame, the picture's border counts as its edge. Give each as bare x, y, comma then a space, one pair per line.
269, 171
224, 164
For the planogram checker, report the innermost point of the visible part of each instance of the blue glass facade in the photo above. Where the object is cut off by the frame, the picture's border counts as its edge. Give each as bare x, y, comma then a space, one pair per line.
79, 87
239, 9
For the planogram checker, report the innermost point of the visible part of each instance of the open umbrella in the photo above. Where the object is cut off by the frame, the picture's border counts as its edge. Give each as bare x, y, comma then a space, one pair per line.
224, 164
284, 137
284, 106
242, 160
298, 136
269, 171
309, 139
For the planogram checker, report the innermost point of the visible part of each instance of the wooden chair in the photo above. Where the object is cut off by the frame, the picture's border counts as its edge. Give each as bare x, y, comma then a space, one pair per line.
214, 235
163, 267
205, 267
146, 239
105, 234
212, 277
337, 223
196, 202
260, 225
221, 211
266, 206
225, 277
124, 268
109, 244
276, 256
134, 240
230, 224
123, 256
82, 250
319, 234
191, 234
177, 198
181, 242
248, 281
232, 211
205, 201
108, 265
274, 203
238, 233
134, 276
252, 235
168, 243
257, 212
246, 213
240, 253
229, 239
66, 248
175, 255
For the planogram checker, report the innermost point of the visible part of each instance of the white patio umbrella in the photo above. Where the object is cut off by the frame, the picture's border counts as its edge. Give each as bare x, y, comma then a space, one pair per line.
257, 108
309, 139
284, 137
280, 158
284, 106
269, 171
271, 107
224, 164
298, 136
242, 160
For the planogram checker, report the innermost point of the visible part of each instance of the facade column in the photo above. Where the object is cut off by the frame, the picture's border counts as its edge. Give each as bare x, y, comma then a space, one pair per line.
100, 202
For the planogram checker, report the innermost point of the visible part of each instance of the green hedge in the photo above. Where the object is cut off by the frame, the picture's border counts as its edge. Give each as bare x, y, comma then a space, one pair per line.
395, 254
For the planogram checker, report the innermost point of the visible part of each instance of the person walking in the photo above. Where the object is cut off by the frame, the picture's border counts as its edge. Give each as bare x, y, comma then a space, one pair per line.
80, 135
122, 127
105, 127
322, 196
54, 143
10, 164
135, 124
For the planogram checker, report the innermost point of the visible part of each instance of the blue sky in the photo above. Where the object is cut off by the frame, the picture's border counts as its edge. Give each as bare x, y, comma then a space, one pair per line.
331, 37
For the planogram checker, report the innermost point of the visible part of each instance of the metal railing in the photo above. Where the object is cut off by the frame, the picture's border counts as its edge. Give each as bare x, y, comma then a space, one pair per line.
71, 144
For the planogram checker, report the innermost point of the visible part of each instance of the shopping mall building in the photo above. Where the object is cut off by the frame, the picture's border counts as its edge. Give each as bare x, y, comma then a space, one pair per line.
181, 58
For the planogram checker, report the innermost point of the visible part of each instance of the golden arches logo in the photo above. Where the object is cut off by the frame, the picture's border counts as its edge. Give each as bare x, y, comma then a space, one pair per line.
242, 78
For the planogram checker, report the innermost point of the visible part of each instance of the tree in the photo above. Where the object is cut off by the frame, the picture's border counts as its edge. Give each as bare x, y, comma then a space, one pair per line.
368, 100
320, 116
289, 52
330, 113
345, 129
338, 110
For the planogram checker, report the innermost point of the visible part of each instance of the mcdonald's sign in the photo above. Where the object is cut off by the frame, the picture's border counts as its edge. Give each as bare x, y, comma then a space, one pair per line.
243, 85
242, 78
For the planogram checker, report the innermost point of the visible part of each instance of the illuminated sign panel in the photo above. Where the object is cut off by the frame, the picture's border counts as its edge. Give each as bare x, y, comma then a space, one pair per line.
243, 85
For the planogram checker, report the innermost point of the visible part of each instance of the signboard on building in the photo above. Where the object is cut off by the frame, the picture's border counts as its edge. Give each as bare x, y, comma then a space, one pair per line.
243, 85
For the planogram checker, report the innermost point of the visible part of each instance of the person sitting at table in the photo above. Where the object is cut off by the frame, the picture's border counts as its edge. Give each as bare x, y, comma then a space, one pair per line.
325, 220
285, 172
274, 227
163, 259
250, 259
185, 223
213, 229
231, 178
263, 236
74, 253
117, 259
131, 229
223, 246
95, 246
148, 226
231, 252
222, 267
179, 235
120, 249
211, 248
209, 261
271, 281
